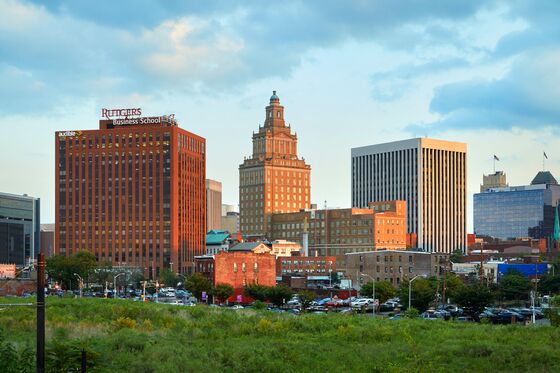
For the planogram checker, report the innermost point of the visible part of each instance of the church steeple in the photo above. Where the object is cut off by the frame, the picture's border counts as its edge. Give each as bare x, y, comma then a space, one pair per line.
274, 112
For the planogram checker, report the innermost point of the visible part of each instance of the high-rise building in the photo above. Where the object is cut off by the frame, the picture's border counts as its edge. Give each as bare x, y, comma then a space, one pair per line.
518, 212
132, 192
230, 222
430, 175
19, 229
495, 180
47, 239
213, 205
273, 179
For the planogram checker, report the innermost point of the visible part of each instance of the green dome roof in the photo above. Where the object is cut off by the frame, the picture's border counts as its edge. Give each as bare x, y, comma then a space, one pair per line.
544, 177
274, 97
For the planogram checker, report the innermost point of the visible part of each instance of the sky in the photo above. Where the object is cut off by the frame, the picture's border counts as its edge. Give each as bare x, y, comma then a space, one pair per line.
349, 73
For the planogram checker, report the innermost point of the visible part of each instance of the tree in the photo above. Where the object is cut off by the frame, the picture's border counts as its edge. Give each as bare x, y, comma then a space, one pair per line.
103, 272
306, 297
453, 284
197, 284
63, 269
168, 277
384, 290
57, 270
222, 292
335, 278
136, 279
423, 293
256, 292
514, 286
456, 256
84, 264
473, 299
552, 311
550, 284
278, 295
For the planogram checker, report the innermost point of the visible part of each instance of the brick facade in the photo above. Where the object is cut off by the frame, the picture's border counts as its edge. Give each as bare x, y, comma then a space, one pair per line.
306, 265
274, 178
132, 193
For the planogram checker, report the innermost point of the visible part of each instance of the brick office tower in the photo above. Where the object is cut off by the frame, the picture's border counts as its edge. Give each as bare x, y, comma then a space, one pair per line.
132, 192
274, 179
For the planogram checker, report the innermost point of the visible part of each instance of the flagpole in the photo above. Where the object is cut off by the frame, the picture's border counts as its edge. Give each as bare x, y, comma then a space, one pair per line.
494, 159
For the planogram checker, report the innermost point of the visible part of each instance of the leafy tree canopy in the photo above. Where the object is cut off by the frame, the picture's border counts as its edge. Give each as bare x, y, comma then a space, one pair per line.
473, 299
256, 292
305, 298
197, 283
514, 286
168, 277
222, 292
278, 295
384, 290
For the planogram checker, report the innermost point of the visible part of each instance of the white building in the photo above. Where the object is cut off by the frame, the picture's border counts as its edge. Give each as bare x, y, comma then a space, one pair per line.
430, 175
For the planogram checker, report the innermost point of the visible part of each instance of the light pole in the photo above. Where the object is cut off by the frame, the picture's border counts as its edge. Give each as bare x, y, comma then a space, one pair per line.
410, 290
115, 284
373, 292
81, 282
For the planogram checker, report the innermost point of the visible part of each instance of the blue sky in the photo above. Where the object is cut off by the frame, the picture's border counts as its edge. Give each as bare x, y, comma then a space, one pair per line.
350, 73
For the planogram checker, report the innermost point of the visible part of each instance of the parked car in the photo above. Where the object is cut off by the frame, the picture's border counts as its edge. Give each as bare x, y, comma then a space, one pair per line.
507, 317
453, 310
360, 302
431, 315
528, 313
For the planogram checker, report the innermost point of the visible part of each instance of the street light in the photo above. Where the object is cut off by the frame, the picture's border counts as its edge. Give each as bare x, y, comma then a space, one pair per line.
81, 282
373, 292
115, 284
410, 289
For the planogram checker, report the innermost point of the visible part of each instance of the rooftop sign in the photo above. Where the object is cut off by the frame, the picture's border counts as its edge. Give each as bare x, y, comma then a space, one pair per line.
120, 113
170, 119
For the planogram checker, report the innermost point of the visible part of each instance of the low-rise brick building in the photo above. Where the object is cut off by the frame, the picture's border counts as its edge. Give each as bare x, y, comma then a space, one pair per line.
306, 265
395, 266
243, 265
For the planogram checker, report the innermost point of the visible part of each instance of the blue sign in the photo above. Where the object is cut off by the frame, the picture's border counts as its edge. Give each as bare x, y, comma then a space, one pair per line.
528, 270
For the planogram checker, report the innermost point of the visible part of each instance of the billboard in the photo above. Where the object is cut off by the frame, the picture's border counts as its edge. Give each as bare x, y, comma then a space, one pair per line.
7, 271
528, 270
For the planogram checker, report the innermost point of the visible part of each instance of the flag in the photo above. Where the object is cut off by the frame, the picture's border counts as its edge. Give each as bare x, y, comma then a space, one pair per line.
546, 156
496, 158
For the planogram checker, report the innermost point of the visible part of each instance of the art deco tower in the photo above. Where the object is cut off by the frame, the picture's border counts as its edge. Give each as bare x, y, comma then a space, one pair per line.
273, 179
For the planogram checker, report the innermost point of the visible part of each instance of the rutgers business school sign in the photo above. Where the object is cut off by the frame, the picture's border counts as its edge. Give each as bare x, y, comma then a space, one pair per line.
132, 117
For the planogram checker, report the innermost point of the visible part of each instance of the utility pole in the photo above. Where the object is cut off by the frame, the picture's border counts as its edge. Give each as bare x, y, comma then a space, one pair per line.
40, 365
444, 280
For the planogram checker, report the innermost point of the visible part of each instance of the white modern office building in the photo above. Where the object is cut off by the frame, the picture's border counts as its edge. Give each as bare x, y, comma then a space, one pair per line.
430, 175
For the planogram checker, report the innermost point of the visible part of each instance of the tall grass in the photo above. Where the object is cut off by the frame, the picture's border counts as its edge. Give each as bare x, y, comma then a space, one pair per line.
122, 336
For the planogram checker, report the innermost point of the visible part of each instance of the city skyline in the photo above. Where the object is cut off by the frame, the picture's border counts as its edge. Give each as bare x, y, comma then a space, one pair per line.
480, 74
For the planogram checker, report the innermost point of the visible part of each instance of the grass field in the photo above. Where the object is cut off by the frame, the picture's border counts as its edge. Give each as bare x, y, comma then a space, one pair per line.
124, 336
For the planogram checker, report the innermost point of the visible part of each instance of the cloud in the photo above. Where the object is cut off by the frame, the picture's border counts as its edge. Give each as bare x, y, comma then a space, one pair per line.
83, 50
526, 97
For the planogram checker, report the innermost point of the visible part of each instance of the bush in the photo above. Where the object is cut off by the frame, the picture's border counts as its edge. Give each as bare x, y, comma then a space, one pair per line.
411, 313
125, 322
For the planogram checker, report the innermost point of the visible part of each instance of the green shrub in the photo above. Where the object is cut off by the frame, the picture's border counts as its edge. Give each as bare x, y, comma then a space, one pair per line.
125, 322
